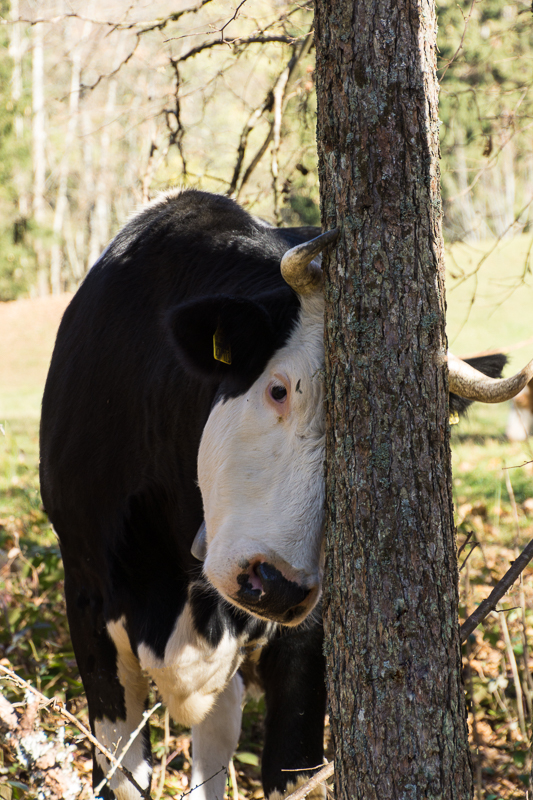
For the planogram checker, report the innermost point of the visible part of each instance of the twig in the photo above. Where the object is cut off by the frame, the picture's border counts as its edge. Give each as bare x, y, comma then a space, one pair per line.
469, 535
475, 728
476, 544
514, 671
325, 773
193, 788
528, 688
497, 593
58, 706
232, 19
291, 67
460, 47
519, 466
233, 780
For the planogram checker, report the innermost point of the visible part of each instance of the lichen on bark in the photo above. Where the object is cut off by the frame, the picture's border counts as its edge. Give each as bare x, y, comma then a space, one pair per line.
390, 608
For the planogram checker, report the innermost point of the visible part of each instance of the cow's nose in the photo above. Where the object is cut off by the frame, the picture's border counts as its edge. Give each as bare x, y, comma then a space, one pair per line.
267, 592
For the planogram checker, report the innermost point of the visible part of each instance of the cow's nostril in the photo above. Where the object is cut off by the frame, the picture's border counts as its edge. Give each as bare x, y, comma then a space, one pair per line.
265, 588
255, 576
250, 583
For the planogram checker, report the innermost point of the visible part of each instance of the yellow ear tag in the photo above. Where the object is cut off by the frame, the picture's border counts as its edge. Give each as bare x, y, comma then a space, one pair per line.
454, 418
221, 349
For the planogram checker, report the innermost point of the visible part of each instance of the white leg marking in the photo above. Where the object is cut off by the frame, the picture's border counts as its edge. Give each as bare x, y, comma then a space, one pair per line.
114, 735
214, 741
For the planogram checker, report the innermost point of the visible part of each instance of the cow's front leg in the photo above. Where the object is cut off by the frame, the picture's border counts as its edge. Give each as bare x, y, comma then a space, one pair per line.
115, 728
214, 741
115, 686
292, 673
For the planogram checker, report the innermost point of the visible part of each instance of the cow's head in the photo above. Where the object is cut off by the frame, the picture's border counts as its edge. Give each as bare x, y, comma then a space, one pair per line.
261, 456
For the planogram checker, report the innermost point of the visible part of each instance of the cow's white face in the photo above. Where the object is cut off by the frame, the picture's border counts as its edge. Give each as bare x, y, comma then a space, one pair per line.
261, 474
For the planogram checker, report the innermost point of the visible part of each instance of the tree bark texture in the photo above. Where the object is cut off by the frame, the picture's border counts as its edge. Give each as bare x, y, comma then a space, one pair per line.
390, 608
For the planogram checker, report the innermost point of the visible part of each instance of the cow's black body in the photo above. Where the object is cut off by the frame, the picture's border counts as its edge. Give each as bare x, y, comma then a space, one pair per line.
121, 424
123, 412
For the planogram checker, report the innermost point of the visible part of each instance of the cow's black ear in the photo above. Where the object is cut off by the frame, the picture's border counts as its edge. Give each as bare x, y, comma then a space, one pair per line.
221, 336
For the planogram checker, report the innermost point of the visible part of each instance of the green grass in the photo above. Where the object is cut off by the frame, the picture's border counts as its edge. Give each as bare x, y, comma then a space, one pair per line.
484, 463
21, 404
34, 634
490, 304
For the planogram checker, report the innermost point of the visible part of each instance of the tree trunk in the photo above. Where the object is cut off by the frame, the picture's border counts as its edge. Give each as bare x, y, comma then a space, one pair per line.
38, 154
16, 50
390, 607
61, 208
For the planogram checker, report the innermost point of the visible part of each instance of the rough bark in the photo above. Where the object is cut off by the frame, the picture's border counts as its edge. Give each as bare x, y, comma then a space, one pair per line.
392, 638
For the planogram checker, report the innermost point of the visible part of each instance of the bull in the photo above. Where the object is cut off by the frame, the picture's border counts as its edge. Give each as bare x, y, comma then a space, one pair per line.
182, 449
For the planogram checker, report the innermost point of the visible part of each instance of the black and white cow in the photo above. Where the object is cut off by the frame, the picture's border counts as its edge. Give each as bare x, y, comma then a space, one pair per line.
186, 385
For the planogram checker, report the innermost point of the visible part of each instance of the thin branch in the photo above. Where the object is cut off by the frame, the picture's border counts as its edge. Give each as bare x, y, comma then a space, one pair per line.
514, 672
237, 43
58, 706
145, 27
320, 777
232, 19
476, 544
464, 544
88, 87
291, 67
519, 466
460, 47
503, 585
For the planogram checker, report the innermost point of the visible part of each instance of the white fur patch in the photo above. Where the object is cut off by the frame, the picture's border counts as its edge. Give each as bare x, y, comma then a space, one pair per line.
261, 472
114, 735
214, 741
192, 673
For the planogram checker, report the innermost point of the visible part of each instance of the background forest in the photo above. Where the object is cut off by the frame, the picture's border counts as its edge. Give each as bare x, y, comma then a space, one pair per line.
103, 104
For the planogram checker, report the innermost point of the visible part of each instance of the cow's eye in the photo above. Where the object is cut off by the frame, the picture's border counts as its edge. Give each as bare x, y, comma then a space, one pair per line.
278, 392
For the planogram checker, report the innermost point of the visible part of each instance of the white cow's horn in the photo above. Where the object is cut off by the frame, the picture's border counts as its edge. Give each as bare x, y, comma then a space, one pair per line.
297, 267
467, 382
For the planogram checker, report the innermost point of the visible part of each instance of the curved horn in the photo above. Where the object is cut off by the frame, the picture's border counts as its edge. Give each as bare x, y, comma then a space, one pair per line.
467, 382
296, 267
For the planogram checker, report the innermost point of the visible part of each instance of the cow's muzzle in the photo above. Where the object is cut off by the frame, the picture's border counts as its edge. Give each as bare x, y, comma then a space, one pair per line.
265, 591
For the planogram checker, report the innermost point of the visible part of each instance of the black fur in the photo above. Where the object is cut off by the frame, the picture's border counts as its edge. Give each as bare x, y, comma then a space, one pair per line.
131, 384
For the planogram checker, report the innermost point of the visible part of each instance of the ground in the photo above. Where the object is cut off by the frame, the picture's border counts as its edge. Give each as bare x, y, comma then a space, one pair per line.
493, 488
